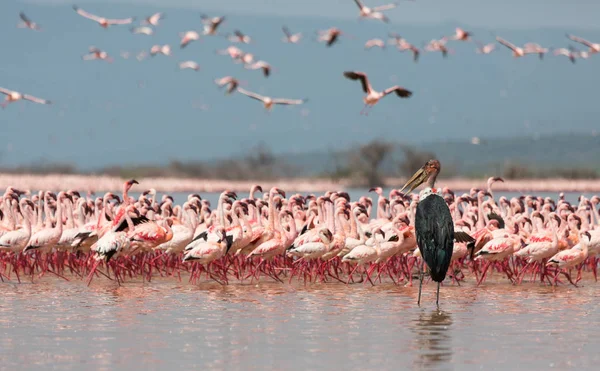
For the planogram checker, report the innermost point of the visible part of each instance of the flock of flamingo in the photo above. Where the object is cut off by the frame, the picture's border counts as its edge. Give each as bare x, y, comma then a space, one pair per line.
211, 25
322, 238
326, 238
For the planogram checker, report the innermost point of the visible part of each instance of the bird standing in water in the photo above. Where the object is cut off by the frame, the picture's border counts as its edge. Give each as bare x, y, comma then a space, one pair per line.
433, 225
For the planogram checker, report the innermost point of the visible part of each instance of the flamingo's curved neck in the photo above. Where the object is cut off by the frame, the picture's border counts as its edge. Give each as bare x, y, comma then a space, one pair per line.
271, 211
59, 212
220, 212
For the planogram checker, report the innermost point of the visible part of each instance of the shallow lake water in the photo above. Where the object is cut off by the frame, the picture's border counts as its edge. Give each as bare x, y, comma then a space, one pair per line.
166, 324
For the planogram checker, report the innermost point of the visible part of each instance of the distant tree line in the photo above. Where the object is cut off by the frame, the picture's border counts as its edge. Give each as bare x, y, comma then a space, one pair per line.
366, 165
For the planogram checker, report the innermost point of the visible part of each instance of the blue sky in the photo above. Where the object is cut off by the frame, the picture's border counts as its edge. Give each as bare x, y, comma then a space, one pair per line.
479, 13
149, 112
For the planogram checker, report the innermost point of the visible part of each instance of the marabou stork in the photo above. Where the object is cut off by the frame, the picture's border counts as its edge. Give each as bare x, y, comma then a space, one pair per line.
433, 224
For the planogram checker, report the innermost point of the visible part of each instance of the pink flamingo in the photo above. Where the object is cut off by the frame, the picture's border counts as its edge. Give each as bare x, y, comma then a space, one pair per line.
373, 96
27, 23
567, 259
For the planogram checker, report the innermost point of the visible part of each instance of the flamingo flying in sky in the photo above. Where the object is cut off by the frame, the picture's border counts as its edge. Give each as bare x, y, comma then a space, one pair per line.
329, 36
517, 51
154, 19
375, 12
461, 35
403, 45
290, 37
160, 49
103, 22
438, 46
211, 24
268, 102
189, 65
187, 37
13, 96
594, 47
27, 23
570, 53
96, 53
485, 49
375, 43
143, 30
239, 37
231, 83
373, 96
266, 68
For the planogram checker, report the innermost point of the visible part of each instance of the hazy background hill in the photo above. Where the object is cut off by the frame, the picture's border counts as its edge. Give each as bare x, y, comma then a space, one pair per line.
492, 157
149, 112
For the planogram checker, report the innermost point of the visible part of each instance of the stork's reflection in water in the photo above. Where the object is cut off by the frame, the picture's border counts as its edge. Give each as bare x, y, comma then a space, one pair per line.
433, 340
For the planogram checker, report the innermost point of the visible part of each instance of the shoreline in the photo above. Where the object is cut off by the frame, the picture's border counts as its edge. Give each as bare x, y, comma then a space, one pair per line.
97, 183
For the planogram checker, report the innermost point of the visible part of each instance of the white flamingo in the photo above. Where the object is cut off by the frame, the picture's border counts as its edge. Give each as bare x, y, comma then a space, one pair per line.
594, 47
211, 24
143, 30
47, 238
268, 102
96, 53
290, 37
160, 49
231, 82
233, 51
264, 66
13, 96
17, 239
239, 37
485, 49
375, 12
103, 22
375, 43
438, 46
517, 51
570, 53
189, 64
154, 19
461, 35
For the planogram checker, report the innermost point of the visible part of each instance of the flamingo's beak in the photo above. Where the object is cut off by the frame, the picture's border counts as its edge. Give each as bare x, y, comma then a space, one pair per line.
406, 220
19, 192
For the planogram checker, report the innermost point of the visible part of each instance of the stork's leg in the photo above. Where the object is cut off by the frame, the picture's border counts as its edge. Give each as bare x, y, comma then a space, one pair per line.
420, 281
437, 298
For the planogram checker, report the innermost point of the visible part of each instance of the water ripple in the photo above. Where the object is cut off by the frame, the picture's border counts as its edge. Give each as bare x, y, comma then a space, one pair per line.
53, 324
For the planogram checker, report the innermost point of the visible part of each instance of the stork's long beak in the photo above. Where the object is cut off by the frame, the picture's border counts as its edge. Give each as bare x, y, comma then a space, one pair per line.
416, 180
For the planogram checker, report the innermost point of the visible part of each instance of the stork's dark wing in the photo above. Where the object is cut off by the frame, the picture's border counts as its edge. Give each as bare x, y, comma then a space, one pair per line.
461, 236
435, 235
